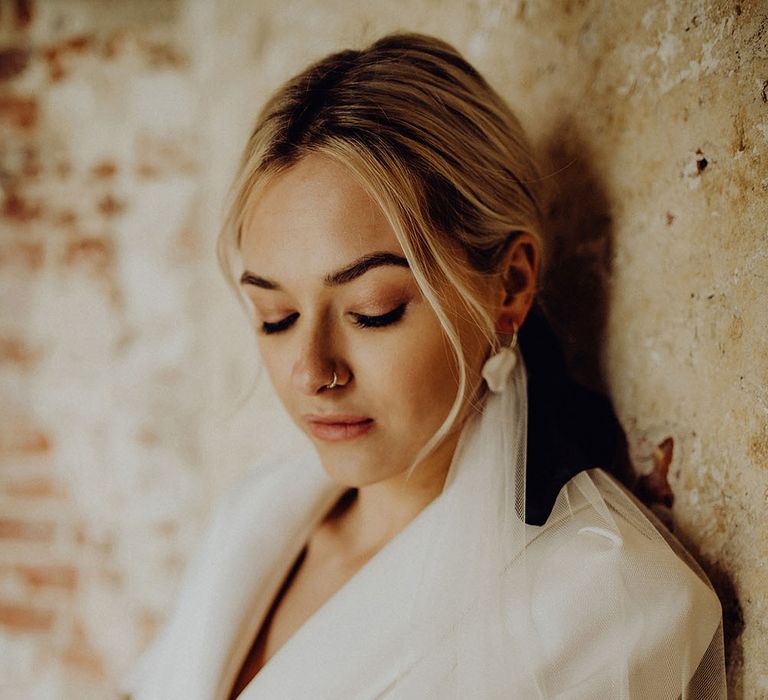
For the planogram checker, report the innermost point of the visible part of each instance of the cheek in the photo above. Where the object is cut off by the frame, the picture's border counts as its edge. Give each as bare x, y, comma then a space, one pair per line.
420, 377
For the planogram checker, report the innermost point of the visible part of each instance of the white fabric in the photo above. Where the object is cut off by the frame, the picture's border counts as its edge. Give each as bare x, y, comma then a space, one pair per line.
466, 602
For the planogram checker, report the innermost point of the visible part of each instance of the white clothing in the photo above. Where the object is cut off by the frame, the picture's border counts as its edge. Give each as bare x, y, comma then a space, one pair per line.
600, 602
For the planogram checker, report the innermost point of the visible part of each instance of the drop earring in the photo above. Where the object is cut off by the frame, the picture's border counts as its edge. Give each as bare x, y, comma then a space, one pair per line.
499, 366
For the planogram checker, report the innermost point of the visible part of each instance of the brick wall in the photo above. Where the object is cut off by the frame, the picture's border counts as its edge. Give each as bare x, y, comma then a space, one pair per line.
100, 486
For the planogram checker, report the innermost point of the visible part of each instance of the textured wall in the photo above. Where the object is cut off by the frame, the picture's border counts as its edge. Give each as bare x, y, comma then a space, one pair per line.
100, 470
121, 353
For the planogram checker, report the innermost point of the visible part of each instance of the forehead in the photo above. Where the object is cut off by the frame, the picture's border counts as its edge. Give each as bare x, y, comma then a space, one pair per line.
310, 219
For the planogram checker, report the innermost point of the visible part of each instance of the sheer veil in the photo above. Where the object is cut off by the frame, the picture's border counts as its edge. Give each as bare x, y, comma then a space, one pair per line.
599, 602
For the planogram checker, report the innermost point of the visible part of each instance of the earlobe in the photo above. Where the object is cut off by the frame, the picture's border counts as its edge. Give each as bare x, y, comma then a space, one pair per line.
507, 323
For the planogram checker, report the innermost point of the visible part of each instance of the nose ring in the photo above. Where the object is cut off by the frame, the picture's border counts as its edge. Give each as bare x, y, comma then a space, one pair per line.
333, 384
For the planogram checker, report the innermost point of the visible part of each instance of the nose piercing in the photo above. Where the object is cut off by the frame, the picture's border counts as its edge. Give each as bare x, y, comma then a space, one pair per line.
333, 384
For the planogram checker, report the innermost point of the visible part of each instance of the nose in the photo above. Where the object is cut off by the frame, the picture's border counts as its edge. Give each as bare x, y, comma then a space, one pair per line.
316, 362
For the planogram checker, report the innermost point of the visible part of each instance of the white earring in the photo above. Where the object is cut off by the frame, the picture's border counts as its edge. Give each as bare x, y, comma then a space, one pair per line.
499, 366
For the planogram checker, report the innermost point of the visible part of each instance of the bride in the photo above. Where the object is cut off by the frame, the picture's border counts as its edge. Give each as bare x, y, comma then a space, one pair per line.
385, 232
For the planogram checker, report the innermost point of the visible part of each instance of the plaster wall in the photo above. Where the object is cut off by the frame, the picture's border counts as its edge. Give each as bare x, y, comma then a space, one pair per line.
122, 354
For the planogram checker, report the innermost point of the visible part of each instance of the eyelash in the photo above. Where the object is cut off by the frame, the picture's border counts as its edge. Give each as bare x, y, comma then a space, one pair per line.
361, 321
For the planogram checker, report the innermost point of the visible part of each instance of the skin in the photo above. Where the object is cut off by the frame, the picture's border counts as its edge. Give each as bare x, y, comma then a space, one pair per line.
310, 221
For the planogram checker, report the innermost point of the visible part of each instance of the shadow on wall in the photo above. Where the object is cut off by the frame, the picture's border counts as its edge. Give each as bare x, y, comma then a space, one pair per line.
579, 226
575, 297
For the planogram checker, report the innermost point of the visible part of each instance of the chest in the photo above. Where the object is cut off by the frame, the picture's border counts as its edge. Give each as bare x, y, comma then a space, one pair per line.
312, 579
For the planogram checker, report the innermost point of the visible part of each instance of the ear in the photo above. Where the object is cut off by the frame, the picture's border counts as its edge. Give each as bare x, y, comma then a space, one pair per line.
517, 285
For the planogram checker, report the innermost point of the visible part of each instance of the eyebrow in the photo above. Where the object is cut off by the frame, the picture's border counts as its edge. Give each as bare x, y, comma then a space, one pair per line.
343, 276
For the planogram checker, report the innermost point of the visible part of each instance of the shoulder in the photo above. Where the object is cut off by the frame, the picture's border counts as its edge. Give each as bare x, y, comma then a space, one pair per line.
608, 589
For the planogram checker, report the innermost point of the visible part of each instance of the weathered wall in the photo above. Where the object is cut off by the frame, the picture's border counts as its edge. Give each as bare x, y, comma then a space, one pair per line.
100, 471
120, 351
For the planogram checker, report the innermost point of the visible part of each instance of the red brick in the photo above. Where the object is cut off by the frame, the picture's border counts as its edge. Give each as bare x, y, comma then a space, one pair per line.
95, 252
17, 207
72, 45
81, 655
103, 546
163, 55
147, 171
23, 13
34, 488
51, 576
65, 218
111, 206
21, 439
63, 169
56, 54
56, 71
104, 170
13, 61
16, 352
27, 530
86, 661
23, 618
19, 111
27, 255
117, 42
160, 156
31, 167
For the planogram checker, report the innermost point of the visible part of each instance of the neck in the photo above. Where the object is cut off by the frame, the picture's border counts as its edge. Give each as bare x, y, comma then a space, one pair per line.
381, 510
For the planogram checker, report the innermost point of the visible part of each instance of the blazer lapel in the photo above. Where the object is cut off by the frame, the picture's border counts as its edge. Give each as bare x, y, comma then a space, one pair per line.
352, 647
278, 517
250, 543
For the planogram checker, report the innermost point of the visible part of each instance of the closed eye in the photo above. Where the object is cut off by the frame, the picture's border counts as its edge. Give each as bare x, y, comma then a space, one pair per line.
361, 320
378, 321
287, 322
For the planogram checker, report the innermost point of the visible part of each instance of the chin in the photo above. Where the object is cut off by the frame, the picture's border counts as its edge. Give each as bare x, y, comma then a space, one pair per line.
352, 473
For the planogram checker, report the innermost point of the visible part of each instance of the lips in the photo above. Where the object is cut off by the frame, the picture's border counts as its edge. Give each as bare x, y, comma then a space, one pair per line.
336, 418
336, 428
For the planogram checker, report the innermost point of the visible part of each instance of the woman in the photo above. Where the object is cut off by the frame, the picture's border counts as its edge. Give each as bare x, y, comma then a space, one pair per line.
386, 234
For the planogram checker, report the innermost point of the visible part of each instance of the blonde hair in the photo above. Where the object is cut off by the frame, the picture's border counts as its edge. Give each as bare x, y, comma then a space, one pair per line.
434, 145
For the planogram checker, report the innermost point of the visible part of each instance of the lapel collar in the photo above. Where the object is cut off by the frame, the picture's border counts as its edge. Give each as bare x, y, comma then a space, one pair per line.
352, 647
278, 517
250, 543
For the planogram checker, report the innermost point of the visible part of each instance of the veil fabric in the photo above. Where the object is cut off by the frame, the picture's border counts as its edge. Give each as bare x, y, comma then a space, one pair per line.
599, 602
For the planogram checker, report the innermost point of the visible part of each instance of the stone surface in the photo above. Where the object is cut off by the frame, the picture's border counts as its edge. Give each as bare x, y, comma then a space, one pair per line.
123, 357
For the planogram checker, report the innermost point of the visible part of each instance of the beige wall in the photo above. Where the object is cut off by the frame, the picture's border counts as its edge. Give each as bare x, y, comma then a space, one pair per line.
121, 352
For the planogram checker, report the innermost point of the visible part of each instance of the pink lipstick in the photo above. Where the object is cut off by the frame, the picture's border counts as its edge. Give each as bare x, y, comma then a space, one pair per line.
336, 428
